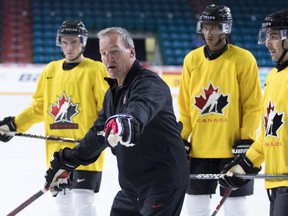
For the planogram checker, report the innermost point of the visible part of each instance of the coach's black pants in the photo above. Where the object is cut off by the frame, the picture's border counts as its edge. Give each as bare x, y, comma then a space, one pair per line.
161, 204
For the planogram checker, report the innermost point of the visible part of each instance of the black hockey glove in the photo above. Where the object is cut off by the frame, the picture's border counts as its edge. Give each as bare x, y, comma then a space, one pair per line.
187, 144
241, 146
7, 125
58, 175
239, 165
121, 128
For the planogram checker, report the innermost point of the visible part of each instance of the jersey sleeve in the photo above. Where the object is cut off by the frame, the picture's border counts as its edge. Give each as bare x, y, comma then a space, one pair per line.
251, 97
184, 101
256, 153
102, 85
34, 113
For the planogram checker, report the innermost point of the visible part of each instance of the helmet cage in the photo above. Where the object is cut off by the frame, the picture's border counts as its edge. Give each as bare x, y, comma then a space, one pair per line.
263, 35
277, 21
225, 27
217, 15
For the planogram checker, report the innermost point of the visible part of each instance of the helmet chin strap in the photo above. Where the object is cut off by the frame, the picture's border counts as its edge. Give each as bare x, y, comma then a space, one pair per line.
80, 53
213, 55
221, 39
283, 54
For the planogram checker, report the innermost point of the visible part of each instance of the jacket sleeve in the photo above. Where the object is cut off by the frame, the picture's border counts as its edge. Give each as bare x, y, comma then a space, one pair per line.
93, 143
146, 99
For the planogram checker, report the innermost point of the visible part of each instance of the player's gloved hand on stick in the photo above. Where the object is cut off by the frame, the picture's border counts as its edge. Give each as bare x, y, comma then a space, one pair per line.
239, 165
58, 175
64, 181
121, 128
187, 145
7, 125
241, 146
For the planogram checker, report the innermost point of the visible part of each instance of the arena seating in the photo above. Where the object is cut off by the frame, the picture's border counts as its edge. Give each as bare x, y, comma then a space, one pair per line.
139, 17
247, 18
171, 22
16, 32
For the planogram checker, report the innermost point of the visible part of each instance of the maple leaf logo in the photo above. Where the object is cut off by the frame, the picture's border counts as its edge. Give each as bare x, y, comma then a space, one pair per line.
272, 121
212, 101
63, 110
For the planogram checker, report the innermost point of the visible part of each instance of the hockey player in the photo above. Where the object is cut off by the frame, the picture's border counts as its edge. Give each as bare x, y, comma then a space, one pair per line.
272, 144
68, 98
138, 123
219, 109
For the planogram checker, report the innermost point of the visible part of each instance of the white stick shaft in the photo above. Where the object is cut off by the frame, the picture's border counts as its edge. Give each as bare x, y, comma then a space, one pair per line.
246, 176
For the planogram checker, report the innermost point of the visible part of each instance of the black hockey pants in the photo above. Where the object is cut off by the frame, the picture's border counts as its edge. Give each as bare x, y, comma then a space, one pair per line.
278, 201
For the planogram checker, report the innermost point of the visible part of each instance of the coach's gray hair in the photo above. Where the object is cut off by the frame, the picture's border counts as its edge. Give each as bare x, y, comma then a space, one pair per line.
124, 34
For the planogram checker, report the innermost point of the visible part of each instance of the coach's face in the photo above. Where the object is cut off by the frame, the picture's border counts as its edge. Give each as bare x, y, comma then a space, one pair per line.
116, 57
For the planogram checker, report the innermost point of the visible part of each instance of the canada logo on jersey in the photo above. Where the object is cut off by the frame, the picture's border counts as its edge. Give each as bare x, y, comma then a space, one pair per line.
211, 101
273, 120
63, 112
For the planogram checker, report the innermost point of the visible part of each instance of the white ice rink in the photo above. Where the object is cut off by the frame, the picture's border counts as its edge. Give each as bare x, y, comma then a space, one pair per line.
22, 169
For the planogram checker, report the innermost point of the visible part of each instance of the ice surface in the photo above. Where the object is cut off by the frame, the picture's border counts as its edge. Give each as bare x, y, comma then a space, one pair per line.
22, 168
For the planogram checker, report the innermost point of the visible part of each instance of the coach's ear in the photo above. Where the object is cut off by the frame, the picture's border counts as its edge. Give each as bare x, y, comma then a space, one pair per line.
132, 52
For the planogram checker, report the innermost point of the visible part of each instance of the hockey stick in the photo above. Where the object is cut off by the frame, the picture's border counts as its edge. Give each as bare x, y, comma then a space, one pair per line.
27, 202
59, 139
225, 196
245, 176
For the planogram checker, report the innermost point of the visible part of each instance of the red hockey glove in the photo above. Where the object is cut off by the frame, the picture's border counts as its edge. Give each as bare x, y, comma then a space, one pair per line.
7, 125
121, 128
239, 165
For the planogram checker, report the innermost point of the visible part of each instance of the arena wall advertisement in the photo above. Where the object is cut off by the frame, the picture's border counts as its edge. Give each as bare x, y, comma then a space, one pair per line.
22, 79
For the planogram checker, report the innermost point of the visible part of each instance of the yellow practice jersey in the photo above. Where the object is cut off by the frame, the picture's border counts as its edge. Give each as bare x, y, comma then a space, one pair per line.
219, 101
272, 142
68, 101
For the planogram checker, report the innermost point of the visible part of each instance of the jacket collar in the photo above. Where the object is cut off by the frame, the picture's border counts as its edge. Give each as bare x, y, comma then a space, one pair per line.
129, 77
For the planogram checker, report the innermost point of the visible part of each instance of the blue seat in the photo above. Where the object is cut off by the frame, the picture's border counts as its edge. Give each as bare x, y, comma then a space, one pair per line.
38, 58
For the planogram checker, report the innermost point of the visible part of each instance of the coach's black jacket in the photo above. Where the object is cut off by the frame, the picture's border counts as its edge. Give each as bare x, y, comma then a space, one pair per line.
157, 162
